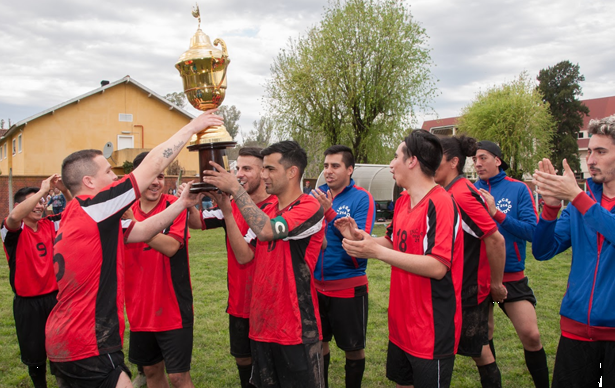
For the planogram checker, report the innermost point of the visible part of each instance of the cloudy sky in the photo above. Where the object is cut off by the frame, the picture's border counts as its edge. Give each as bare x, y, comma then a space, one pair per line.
53, 51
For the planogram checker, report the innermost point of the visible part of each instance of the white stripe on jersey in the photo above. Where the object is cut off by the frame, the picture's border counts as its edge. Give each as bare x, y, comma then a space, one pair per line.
467, 229
426, 239
102, 211
126, 223
56, 225
249, 236
209, 214
308, 232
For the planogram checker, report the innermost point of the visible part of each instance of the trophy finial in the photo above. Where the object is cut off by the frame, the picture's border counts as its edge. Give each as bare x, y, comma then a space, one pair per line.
196, 13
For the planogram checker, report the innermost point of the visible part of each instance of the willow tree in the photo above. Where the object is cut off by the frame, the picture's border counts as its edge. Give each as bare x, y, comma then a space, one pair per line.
515, 116
354, 79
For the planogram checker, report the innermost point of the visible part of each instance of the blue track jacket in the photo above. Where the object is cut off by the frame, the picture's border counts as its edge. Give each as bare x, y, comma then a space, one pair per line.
335, 269
588, 307
516, 216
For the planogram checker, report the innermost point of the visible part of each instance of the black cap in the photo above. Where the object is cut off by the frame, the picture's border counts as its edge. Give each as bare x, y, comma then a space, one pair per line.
494, 149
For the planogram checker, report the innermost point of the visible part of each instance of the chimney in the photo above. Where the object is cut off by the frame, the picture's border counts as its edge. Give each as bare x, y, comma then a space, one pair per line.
104, 83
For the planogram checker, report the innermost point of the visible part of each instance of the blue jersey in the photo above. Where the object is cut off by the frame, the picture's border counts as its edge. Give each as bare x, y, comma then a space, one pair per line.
516, 216
335, 269
587, 309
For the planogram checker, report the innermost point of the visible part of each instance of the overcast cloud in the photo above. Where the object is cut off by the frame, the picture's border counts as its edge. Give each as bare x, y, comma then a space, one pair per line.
53, 51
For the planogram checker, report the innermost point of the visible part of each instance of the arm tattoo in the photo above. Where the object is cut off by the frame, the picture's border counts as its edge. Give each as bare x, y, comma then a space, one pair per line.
167, 153
254, 216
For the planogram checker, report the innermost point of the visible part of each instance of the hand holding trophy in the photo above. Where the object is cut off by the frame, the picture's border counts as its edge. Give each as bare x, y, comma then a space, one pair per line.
203, 71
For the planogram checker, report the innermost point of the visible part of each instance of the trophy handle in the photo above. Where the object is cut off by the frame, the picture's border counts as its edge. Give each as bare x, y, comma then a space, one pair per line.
224, 57
224, 51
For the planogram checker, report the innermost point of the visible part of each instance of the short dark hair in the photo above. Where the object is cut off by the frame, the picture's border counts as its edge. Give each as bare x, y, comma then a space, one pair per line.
251, 151
347, 156
77, 165
427, 149
292, 154
22, 193
138, 159
459, 147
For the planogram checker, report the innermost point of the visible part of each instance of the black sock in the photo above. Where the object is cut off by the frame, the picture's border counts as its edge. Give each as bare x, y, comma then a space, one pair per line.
354, 372
245, 371
490, 376
492, 347
326, 359
537, 365
38, 375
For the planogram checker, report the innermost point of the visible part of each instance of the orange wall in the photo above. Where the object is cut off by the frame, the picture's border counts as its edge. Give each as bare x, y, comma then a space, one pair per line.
92, 122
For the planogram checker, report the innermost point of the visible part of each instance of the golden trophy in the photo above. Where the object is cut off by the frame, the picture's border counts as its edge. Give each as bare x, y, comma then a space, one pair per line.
203, 71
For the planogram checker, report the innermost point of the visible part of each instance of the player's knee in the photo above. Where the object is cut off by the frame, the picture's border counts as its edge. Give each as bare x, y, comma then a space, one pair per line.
180, 380
356, 354
154, 371
531, 339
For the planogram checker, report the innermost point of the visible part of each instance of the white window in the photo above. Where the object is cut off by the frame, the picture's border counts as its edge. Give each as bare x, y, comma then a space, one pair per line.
14, 146
126, 117
6, 150
19, 142
124, 141
1, 152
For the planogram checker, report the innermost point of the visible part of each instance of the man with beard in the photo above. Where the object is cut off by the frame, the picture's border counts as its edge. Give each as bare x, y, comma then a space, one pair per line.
586, 349
284, 320
238, 238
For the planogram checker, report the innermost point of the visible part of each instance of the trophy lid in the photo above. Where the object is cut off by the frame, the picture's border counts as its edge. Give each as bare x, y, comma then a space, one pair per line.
200, 47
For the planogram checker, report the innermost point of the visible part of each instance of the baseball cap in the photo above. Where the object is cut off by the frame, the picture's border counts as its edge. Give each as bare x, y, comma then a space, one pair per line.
494, 149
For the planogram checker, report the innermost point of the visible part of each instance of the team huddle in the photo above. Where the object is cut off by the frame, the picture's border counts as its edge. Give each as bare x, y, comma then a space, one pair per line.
297, 265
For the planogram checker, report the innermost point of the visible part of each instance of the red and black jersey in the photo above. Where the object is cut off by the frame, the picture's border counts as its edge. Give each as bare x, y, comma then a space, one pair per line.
477, 224
158, 288
30, 256
284, 306
89, 261
239, 276
425, 313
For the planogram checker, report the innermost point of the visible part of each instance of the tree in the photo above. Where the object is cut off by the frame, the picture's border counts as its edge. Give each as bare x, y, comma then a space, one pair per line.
515, 116
262, 133
560, 87
231, 116
354, 79
177, 98
175, 168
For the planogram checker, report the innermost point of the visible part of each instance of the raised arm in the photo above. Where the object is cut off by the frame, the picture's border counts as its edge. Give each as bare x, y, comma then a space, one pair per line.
162, 155
21, 210
146, 230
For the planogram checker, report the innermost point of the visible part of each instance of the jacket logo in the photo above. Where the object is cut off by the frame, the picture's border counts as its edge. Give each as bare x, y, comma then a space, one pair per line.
504, 205
343, 211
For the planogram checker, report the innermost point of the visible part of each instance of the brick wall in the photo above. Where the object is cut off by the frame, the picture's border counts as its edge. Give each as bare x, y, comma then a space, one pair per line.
35, 181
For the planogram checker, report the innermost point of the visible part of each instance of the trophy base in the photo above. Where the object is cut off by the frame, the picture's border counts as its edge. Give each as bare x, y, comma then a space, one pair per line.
210, 151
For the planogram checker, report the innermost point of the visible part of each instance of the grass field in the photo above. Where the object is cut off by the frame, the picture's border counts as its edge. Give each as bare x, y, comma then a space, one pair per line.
212, 365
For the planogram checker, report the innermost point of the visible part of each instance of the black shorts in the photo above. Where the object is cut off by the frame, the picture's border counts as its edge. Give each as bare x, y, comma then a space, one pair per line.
239, 329
578, 363
517, 291
474, 329
345, 319
293, 366
172, 346
93, 372
30, 319
405, 369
